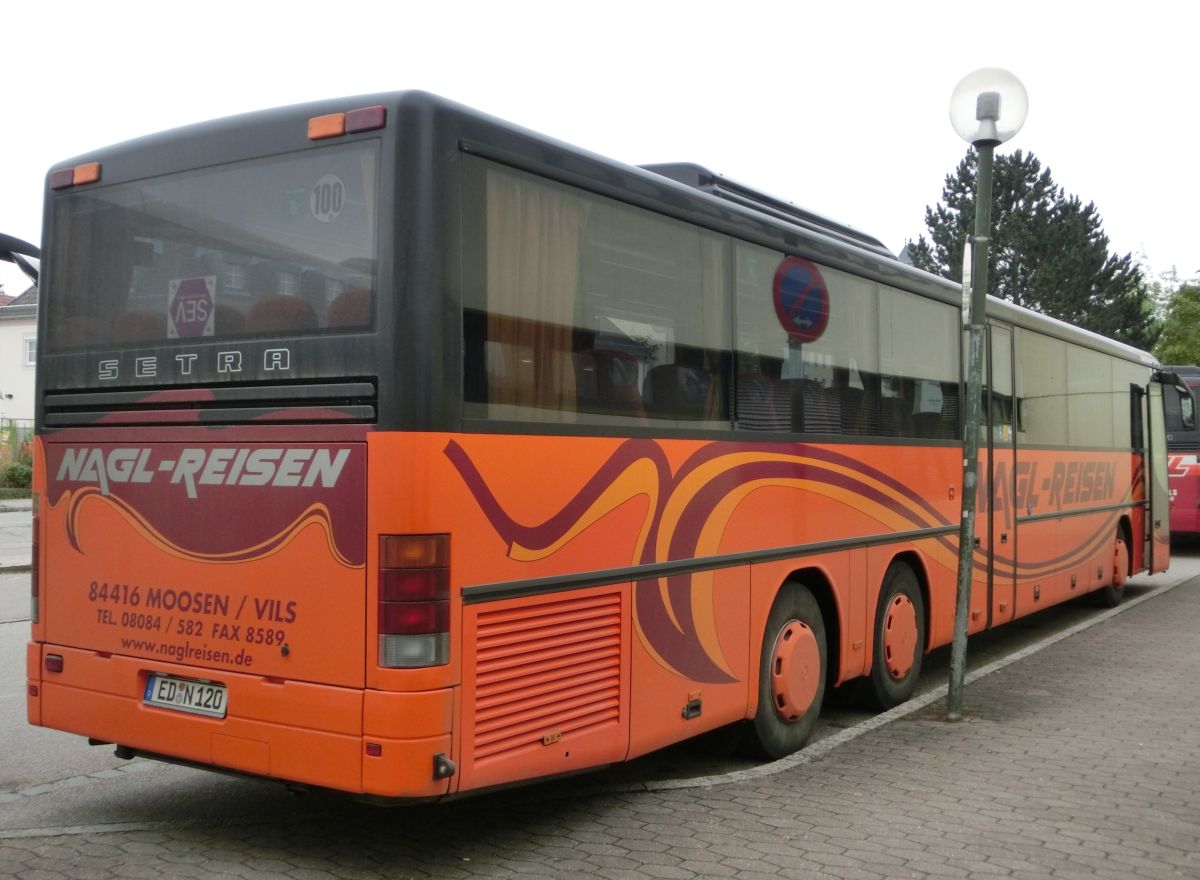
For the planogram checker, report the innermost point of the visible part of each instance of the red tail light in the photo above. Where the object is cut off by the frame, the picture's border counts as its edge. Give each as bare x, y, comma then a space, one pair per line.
414, 585
414, 618
414, 600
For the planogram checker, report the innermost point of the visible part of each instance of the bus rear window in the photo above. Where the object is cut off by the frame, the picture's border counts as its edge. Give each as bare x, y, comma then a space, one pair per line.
282, 246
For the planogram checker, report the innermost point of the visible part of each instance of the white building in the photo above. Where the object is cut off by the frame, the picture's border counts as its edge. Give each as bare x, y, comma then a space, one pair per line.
18, 350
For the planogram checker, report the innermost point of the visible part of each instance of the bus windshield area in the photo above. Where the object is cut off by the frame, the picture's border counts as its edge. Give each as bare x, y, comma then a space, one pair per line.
1180, 412
282, 246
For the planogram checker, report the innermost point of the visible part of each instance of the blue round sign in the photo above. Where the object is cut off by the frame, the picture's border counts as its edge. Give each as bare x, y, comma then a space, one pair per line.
801, 299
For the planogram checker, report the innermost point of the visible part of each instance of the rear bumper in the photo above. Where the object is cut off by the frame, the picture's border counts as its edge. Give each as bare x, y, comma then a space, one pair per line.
288, 730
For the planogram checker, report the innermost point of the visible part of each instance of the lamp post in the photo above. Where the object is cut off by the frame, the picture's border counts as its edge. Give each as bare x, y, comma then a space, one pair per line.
986, 108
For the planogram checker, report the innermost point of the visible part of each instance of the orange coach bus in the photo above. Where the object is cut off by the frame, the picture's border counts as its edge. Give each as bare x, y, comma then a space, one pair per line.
386, 447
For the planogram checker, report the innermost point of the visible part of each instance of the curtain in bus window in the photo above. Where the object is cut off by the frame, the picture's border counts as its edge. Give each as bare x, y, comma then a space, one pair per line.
826, 384
998, 399
1124, 375
654, 299
918, 366
1089, 398
714, 298
1041, 389
689, 385
99, 231
533, 235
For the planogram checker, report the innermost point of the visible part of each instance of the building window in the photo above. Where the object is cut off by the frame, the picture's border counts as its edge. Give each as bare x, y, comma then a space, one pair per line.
30, 350
235, 276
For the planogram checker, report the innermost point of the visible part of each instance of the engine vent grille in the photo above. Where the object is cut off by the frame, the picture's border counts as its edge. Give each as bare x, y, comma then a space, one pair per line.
308, 403
546, 671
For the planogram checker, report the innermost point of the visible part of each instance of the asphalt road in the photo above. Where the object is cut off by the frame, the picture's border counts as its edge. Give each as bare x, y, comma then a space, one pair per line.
16, 530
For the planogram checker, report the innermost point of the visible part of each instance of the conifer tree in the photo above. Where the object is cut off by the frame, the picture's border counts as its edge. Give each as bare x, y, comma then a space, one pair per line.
1180, 339
1048, 252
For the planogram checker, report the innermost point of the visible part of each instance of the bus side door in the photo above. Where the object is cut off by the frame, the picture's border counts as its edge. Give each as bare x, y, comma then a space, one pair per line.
1158, 514
1000, 402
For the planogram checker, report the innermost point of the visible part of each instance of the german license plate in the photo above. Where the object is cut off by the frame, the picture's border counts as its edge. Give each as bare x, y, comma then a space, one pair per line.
185, 695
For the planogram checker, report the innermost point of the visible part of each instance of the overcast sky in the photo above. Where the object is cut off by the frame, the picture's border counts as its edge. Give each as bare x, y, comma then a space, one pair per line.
838, 107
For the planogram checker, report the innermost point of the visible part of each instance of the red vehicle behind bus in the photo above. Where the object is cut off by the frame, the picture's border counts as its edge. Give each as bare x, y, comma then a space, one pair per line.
1183, 453
387, 447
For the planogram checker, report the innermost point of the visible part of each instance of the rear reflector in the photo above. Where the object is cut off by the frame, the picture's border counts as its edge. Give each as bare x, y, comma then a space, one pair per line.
366, 119
54, 663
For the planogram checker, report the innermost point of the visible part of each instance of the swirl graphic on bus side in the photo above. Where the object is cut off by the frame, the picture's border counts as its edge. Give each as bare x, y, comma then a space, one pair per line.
686, 518
316, 514
688, 511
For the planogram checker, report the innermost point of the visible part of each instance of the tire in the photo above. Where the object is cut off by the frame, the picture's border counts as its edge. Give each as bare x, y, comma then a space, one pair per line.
1111, 596
790, 690
899, 638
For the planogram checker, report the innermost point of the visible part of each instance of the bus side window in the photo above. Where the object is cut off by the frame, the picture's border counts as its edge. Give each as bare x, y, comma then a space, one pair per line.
1187, 412
1179, 411
1137, 432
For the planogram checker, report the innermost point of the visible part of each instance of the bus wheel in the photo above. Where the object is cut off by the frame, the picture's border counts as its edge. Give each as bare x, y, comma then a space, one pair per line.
899, 638
791, 679
1110, 596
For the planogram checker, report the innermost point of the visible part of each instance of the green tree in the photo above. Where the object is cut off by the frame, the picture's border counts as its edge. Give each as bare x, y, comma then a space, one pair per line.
1180, 339
1048, 251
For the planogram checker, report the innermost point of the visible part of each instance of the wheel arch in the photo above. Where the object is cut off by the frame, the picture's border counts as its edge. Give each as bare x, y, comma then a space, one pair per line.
1125, 529
818, 583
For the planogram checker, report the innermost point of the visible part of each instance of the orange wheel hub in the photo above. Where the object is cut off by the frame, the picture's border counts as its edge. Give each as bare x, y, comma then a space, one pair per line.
795, 670
1120, 564
899, 636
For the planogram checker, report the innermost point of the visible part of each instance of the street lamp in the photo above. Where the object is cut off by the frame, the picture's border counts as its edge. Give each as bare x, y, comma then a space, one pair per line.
987, 108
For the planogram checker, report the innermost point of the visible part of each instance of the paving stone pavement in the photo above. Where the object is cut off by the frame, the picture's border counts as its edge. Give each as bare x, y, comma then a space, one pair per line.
1080, 761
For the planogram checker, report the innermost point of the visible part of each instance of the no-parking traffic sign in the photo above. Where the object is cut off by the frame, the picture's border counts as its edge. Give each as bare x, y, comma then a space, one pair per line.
801, 299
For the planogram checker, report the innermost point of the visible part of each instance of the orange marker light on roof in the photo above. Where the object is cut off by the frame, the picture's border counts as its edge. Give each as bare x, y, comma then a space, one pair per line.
89, 173
333, 125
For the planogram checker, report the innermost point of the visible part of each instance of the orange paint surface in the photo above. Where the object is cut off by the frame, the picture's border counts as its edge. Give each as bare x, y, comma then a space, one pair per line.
547, 674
